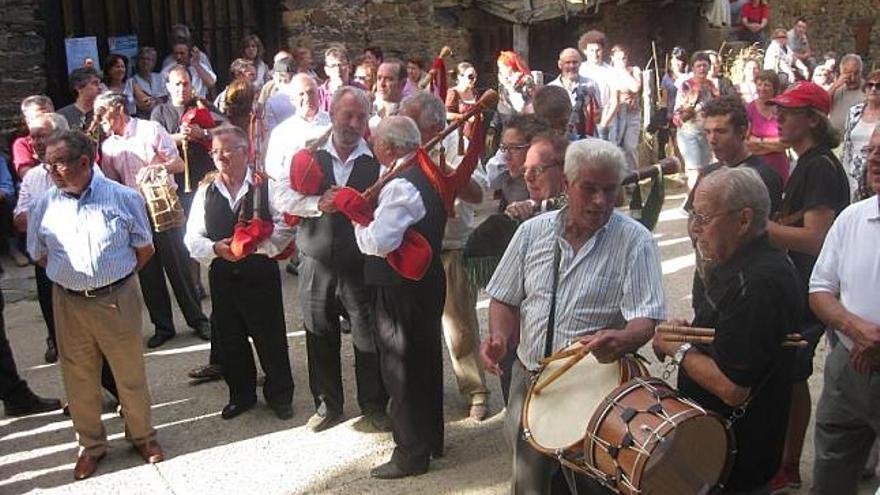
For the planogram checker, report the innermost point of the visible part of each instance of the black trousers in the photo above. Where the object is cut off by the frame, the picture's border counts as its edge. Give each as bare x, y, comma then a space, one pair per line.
171, 259
12, 388
321, 290
44, 296
246, 302
408, 319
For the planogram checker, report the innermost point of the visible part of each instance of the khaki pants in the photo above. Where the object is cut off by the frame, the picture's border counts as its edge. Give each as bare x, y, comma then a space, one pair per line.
462, 330
87, 328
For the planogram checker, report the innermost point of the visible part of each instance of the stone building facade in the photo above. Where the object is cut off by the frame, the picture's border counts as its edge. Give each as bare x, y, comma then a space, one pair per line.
22, 62
832, 24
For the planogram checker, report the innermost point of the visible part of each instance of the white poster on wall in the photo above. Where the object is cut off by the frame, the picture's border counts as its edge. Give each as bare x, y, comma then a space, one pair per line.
82, 52
125, 45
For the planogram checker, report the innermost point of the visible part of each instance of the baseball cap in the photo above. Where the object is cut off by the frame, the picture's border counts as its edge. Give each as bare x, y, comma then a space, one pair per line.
804, 94
285, 66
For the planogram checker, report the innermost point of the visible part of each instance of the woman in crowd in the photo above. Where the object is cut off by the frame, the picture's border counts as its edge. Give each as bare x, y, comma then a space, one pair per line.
860, 123
463, 96
365, 73
747, 87
115, 75
415, 73
689, 101
305, 63
252, 50
241, 69
146, 87
515, 85
764, 127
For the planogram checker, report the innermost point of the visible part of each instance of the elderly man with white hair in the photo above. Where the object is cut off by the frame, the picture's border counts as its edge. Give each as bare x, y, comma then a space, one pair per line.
755, 300
408, 312
585, 272
461, 328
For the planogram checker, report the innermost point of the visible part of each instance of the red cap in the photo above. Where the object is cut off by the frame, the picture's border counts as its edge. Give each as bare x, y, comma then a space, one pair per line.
804, 95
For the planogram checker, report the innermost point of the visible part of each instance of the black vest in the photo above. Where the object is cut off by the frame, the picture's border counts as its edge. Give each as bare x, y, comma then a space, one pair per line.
220, 223
329, 238
431, 226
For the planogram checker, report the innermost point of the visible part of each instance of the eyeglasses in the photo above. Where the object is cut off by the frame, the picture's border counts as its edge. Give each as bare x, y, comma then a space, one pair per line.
870, 150
537, 170
336, 66
470, 77
507, 148
225, 152
59, 165
872, 85
700, 220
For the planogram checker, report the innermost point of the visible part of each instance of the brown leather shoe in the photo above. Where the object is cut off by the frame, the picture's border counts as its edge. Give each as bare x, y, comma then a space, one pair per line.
150, 452
86, 465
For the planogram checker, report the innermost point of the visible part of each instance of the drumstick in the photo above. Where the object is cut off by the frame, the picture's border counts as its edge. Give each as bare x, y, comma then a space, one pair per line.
562, 354
702, 339
573, 360
681, 330
186, 184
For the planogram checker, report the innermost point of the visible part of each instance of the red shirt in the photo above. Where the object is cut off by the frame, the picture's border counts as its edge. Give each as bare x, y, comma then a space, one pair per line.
755, 13
23, 154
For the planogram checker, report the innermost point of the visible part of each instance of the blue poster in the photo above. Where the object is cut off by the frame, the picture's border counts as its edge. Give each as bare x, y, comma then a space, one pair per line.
82, 52
127, 46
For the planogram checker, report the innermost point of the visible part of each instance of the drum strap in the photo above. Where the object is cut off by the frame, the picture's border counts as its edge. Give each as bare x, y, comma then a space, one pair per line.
551, 319
740, 411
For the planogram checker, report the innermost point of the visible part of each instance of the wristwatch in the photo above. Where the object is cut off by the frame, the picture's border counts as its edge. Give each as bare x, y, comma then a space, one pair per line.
679, 354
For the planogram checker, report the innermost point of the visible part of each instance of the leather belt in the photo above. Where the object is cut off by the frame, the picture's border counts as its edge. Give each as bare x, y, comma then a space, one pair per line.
100, 291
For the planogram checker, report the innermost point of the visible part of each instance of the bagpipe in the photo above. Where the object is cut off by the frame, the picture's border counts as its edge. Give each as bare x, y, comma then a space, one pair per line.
250, 232
196, 113
488, 242
412, 259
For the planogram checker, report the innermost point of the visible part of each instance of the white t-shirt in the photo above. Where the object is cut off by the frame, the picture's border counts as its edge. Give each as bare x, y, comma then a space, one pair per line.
848, 265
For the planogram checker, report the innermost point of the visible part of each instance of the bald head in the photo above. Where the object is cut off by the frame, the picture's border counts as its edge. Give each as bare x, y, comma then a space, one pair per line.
569, 63
304, 95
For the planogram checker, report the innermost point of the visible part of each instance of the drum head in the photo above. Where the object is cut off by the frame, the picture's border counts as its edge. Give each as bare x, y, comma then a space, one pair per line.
559, 415
690, 459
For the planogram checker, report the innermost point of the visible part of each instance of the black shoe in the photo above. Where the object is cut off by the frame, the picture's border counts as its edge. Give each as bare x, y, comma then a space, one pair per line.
33, 404
318, 423
203, 330
158, 339
51, 355
282, 411
232, 410
379, 420
390, 471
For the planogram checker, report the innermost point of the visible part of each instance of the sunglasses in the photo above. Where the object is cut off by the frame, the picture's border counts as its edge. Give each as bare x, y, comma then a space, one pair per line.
872, 86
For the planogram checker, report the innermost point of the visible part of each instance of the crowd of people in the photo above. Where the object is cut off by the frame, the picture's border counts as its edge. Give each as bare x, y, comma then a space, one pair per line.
783, 219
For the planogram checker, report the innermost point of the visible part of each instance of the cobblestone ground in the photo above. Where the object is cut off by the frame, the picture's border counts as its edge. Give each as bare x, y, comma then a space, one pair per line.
256, 453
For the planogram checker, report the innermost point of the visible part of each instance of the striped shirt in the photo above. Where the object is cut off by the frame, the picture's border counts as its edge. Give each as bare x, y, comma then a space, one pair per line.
614, 278
89, 241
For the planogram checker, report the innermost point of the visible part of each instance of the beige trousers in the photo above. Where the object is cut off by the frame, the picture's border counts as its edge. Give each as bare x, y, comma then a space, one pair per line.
461, 329
108, 325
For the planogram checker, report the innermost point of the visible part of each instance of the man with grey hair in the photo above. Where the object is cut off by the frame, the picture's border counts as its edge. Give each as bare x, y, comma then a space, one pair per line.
756, 301
133, 145
461, 328
408, 311
846, 91
585, 272
331, 267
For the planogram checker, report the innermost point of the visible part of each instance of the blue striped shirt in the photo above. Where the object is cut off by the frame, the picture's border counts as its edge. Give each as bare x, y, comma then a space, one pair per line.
614, 278
89, 242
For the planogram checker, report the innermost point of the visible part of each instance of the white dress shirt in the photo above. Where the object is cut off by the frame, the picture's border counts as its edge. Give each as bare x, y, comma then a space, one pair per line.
459, 227
400, 206
142, 143
34, 183
289, 137
589, 84
848, 265
301, 205
201, 247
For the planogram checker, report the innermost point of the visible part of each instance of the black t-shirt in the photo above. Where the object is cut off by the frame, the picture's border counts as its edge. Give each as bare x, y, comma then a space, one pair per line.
818, 180
770, 178
754, 301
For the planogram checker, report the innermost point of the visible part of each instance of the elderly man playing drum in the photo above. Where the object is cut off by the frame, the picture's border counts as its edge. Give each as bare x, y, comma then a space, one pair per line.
755, 301
584, 272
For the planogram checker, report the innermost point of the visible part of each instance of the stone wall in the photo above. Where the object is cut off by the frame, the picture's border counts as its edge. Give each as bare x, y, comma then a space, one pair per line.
22, 61
831, 23
400, 27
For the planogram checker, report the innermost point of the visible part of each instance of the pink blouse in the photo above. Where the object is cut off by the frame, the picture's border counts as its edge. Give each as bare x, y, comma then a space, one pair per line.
768, 127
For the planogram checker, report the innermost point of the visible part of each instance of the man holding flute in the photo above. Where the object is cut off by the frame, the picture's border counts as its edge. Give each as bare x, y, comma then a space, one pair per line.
754, 302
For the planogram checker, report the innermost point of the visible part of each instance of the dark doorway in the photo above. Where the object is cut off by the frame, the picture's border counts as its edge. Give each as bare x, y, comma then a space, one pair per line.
217, 27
